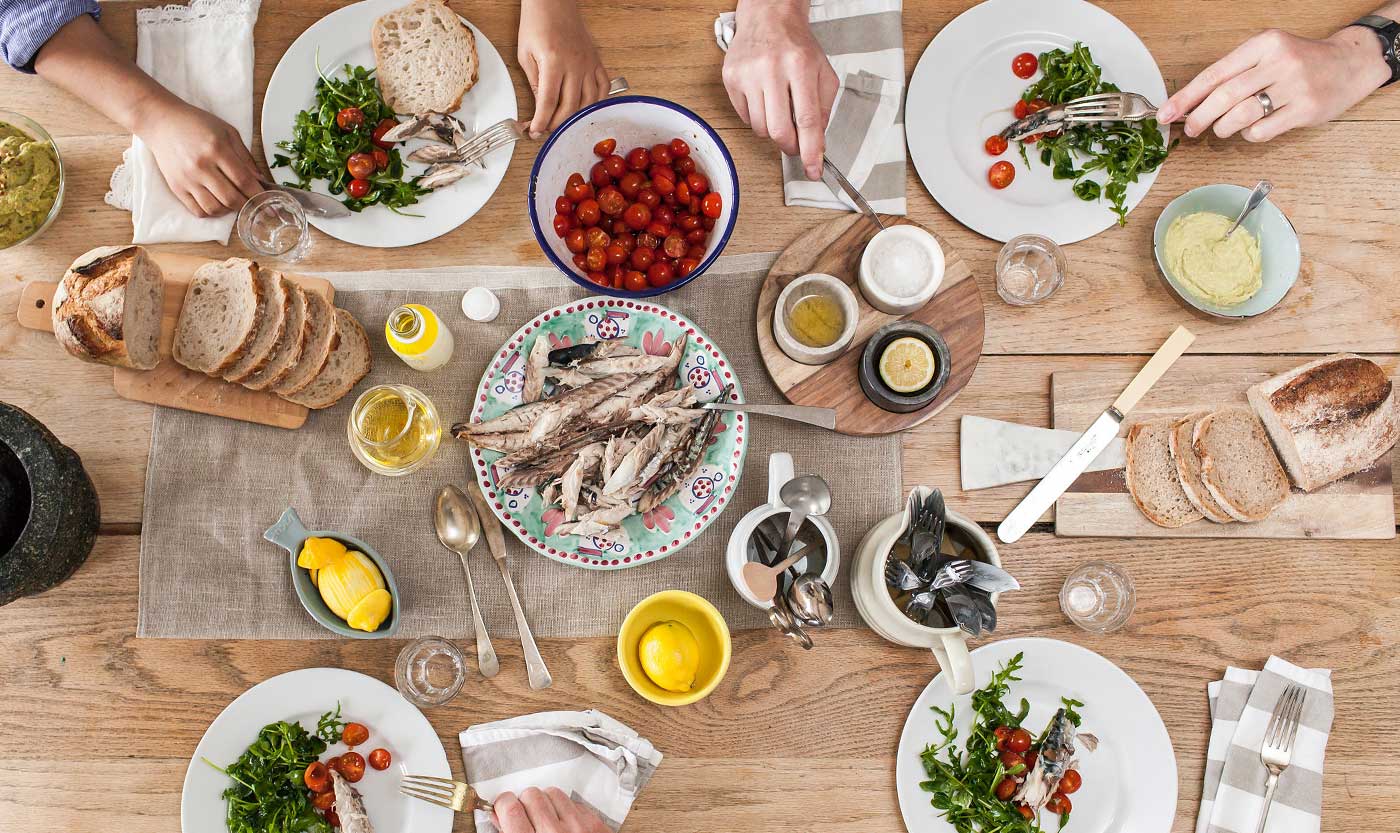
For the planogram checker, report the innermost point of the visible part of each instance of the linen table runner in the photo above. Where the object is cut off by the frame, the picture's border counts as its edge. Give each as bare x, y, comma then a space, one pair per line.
213, 485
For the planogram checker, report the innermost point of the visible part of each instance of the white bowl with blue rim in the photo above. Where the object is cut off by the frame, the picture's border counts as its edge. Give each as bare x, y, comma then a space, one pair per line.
633, 120
1279, 251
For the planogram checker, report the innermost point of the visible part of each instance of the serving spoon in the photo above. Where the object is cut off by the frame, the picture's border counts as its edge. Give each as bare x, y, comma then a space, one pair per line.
459, 528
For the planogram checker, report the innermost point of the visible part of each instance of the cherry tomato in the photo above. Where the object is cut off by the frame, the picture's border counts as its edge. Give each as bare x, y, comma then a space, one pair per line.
350, 119
995, 145
611, 201
576, 240
638, 159
605, 148
597, 238
1011, 759
577, 189
616, 253
352, 765
1030, 759
696, 252
1059, 803
660, 273
588, 213
684, 166
658, 230
1006, 788
599, 175
615, 165
1001, 174
562, 224
696, 237
1001, 733
384, 126
332, 818
1033, 138
647, 241
1036, 105
642, 257
673, 246
619, 227
360, 165
599, 278
1024, 65
663, 172
596, 259
381, 158
665, 188
635, 281
625, 239
707, 223
323, 801
380, 758
712, 205
664, 215
679, 148
1019, 741
1071, 781
637, 215
686, 266
698, 183
689, 222
317, 777
354, 734
357, 188
563, 205
661, 154
648, 198
580, 260
682, 193
1026, 812
1021, 110
333, 763
630, 183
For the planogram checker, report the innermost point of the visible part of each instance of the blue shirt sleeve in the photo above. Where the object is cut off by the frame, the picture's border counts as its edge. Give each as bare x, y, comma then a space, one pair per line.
26, 25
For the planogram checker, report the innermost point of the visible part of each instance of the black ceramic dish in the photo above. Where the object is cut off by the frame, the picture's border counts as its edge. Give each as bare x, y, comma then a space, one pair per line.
869, 371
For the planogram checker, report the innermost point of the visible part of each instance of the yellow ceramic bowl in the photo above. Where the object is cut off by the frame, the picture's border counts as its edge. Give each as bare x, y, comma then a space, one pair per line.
701, 618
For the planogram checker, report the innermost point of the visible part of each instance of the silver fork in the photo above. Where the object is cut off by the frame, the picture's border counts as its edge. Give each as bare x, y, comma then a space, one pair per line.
1277, 750
509, 131
444, 792
1107, 107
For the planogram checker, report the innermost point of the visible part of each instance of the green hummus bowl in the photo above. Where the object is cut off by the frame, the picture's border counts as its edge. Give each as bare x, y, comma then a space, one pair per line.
31, 179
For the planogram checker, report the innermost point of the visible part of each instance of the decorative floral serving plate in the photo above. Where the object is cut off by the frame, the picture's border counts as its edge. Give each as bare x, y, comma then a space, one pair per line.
673, 524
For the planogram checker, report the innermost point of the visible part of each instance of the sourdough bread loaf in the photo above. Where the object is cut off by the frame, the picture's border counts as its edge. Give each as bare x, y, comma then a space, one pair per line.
1152, 478
318, 342
347, 365
1188, 469
269, 327
220, 315
1329, 418
425, 57
108, 307
1238, 465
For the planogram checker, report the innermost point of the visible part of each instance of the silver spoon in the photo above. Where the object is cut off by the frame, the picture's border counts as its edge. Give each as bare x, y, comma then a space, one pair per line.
809, 598
1256, 197
805, 496
459, 528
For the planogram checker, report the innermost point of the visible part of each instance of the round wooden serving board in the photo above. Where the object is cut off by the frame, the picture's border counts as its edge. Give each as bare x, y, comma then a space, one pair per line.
835, 247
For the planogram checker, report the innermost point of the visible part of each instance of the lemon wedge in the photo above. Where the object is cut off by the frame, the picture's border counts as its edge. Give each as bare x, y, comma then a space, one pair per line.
670, 656
370, 612
907, 365
319, 552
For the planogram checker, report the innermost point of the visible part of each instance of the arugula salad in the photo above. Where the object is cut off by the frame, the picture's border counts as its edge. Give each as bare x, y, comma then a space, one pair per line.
268, 794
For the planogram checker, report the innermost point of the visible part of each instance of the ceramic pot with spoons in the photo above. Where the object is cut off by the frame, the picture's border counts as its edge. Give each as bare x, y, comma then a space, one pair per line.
743, 548
949, 645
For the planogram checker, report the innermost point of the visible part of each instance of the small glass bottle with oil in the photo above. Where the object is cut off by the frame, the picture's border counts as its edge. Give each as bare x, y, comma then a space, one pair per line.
394, 429
417, 336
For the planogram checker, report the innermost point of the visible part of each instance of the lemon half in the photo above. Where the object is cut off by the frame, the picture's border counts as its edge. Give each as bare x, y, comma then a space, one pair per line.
670, 656
907, 365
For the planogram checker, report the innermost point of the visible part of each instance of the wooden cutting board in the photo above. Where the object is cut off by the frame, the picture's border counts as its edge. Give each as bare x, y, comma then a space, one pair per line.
1098, 503
168, 383
835, 247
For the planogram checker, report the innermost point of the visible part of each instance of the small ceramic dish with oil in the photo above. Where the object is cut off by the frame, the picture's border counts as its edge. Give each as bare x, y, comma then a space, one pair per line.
915, 345
815, 318
696, 616
290, 534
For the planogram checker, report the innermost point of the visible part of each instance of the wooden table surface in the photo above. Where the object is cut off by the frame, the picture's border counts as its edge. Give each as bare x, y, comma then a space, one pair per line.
97, 727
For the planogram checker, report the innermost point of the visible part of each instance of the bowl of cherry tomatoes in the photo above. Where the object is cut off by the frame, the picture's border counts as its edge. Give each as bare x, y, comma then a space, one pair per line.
633, 196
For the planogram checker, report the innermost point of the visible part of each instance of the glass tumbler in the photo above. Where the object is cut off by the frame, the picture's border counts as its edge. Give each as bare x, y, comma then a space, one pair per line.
430, 671
273, 225
1098, 597
1029, 269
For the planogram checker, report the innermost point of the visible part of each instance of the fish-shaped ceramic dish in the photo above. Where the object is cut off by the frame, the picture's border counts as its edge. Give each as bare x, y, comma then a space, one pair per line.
650, 334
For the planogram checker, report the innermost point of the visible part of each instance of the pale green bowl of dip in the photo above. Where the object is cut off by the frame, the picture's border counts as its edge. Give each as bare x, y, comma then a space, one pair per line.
1279, 252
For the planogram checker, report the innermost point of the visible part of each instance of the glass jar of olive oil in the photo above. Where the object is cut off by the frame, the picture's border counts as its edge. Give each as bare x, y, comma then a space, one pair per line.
394, 429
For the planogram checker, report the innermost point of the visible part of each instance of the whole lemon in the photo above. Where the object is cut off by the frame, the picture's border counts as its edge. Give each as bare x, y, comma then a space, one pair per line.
670, 656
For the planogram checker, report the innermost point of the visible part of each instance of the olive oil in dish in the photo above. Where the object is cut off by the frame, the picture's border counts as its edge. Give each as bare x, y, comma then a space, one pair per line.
417, 336
394, 429
816, 320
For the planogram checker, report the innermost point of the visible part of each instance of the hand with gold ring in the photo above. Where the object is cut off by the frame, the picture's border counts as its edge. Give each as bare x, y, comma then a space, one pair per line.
1276, 81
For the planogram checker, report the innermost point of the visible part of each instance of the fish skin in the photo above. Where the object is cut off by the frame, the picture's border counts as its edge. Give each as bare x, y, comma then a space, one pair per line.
1057, 756
675, 439
535, 369
670, 481
584, 350
598, 522
626, 472
521, 417
504, 443
571, 482
349, 807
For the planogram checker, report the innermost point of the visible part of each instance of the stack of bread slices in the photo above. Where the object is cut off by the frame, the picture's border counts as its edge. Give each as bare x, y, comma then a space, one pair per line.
1305, 428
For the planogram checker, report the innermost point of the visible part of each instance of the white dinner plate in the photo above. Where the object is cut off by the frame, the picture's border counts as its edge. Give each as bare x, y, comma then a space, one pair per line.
962, 91
1129, 781
304, 696
342, 37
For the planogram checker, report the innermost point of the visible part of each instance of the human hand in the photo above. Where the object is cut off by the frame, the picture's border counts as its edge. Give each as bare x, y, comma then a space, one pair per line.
779, 80
545, 811
202, 157
560, 61
1307, 81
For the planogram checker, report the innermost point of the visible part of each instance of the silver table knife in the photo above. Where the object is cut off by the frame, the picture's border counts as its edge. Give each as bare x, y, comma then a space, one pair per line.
991, 578
314, 204
849, 189
820, 417
491, 528
1092, 441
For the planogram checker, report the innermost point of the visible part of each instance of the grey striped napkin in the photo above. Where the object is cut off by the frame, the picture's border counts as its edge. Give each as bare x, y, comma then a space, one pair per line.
1232, 799
864, 40
593, 758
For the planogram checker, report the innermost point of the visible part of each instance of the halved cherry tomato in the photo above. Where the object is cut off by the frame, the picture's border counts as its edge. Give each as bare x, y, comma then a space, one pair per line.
588, 213
332, 818
648, 198
562, 224
580, 260
599, 278
1026, 812
575, 240
1019, 740
1021, 110
699, 184
357, 188
630, 183
350, 119
333, 763
637, 215
611, 201
686, 266
317, 777
1024, 65
660, 273
995, 145
665, 188
605, 148
599, 175
1030, 759
689, 222
1071, 781
712, 205
323, 801
352, 766
354, 734
661, 154
596, 259
616, 253
576, 189
1059, 803
615, 165
665, 215
563, 205
360, 165
696, 237
696, 252
642, 257
380, 758
597, 238
682, 193
1001, 733
673, 246
1001, 174
1035, 105
384, 126
663, 172
1033, 138
679, 148
635, 281
1010, 759
638, 159
1006, 788
381, 158
685, 166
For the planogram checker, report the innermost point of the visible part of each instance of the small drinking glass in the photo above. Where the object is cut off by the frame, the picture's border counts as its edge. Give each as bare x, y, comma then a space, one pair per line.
1098, 597
273, 225
430, 671
393, 429
1029, 269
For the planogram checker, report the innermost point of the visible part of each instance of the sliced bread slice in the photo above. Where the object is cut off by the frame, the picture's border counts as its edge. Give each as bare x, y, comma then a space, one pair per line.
425, 56
108, 307
1151, 476
1188, 469
1238, 464
220, 315
270, 326
319, 341
347, 365
288, 347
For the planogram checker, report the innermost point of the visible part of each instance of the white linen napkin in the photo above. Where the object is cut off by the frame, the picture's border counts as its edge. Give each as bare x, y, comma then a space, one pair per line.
1232, 799
203, 53
591, 757
864, 40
